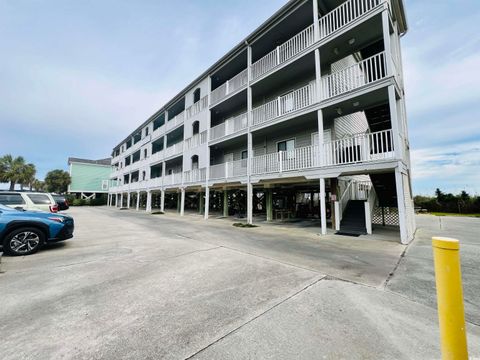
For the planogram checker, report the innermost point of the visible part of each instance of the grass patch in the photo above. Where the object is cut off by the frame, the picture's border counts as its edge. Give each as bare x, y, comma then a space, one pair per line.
157, 213
454, 214
244, 225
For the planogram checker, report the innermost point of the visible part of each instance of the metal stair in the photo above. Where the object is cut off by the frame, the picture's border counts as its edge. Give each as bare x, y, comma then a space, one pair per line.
353, 220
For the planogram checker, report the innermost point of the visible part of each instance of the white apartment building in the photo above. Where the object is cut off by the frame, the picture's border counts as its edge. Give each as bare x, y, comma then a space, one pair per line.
243, 138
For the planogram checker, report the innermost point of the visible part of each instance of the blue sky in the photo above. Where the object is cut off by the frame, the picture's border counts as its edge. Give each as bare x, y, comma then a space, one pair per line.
77, 76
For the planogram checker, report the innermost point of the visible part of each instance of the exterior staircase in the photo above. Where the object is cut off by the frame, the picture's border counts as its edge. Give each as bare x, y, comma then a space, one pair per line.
353, 220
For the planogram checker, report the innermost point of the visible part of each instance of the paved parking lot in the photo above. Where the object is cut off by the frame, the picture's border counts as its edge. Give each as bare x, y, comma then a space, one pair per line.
138, 286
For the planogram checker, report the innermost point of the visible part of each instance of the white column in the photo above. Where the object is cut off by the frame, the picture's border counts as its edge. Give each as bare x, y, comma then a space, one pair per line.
128, 200
402, 219
387, 42
207, 202
162, 200
121, 200
316, 27
138, 201
148, 208
182, 202
392, 102
323, 209
249, 140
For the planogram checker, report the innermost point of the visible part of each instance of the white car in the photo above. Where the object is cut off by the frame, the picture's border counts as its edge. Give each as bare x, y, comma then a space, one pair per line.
28, 200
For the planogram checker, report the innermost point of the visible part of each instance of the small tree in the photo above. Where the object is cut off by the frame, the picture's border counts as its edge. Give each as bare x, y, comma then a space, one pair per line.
38, 185
57, 181
12, 170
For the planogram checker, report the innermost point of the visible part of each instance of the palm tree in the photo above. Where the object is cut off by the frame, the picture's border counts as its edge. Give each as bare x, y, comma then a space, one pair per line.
27, 175
12, 169
38, 185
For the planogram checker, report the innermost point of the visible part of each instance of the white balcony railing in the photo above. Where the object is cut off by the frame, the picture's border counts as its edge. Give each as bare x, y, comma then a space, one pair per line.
297, 159
362, 73
158, 156
158, 132
195, 175
229, 127
291, 102
284, 52
196, 140
177, 120
359, 148
173, 150
237, 82
230, 169
197, 107
344, 14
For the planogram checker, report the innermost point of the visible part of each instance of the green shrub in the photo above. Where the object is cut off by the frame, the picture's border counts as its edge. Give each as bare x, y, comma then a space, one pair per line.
78, 202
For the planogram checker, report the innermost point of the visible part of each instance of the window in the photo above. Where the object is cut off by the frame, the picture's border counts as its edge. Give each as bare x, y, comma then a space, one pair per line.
194, 162
196, 95
39, 199
244, 154
286, 145
145, 152
146, 131
144, 175
11, 199
195, 127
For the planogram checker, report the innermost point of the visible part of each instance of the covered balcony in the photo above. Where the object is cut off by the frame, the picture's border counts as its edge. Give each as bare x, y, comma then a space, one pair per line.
230, 78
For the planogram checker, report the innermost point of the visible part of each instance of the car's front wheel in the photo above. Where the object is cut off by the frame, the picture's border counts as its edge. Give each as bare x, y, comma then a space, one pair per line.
23, 241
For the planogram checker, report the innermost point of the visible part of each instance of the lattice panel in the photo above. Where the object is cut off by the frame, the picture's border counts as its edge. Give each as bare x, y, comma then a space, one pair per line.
389, 213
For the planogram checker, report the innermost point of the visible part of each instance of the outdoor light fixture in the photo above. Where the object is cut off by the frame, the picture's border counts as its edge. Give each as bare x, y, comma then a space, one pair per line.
351, 41
356, 103
335, 51
339, 111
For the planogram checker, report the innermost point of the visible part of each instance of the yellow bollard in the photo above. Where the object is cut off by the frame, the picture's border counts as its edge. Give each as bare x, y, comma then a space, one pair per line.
448, 278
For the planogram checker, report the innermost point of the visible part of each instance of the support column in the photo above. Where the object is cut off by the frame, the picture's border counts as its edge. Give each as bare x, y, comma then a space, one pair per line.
148, 208
200, 202
402, 216
225, 203
397, 143
323, 209
182, 202
333, 189
207, 202
138, 201
269, 203
162, 200
121, 200
316, 27
128, 200
108, 200
249, 203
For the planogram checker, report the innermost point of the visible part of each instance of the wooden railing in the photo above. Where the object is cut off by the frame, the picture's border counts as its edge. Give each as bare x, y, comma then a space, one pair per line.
354, 76
229, 126
291, 102
359, 148
196, 108
344, 14
230, 169
237, 82
196, 140
284, 52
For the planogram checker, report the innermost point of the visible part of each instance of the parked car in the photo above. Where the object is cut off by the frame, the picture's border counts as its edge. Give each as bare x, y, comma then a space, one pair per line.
28, 200
25, 232
61, 201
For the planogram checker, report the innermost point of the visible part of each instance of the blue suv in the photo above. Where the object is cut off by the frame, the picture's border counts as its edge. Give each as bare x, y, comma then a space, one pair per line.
25, 232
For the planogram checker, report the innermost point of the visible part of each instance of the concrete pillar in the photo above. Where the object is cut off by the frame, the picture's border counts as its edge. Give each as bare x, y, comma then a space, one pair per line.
250, 203
162, 200
323, 209
207, 202
269, 203
397, 143
225, 202
178, 201
128, 200
200, 202
138, 201
148, 208
121, 200
182, 202
402, 218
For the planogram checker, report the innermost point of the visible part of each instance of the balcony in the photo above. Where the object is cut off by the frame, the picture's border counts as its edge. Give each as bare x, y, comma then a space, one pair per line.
284, 105
156, 157
176, 121
173, 179
158, 132
195, 175
175, 149
232, 169
236, 83
330, 24
360, 148
197, 107
196, 140
355, 76
284, 52
231, 126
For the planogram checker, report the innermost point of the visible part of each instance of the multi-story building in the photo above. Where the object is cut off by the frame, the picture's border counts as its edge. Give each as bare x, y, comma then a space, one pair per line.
304, 118
89, 178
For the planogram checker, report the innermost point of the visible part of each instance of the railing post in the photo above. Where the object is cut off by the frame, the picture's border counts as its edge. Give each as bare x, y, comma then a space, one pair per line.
226, 170
278, 106
278, 55
280, 162
227, 86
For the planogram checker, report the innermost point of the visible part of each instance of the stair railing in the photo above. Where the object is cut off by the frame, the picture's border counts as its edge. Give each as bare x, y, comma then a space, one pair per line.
341, 204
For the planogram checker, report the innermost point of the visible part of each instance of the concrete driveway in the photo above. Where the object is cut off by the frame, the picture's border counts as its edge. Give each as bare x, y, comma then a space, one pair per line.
138, 286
